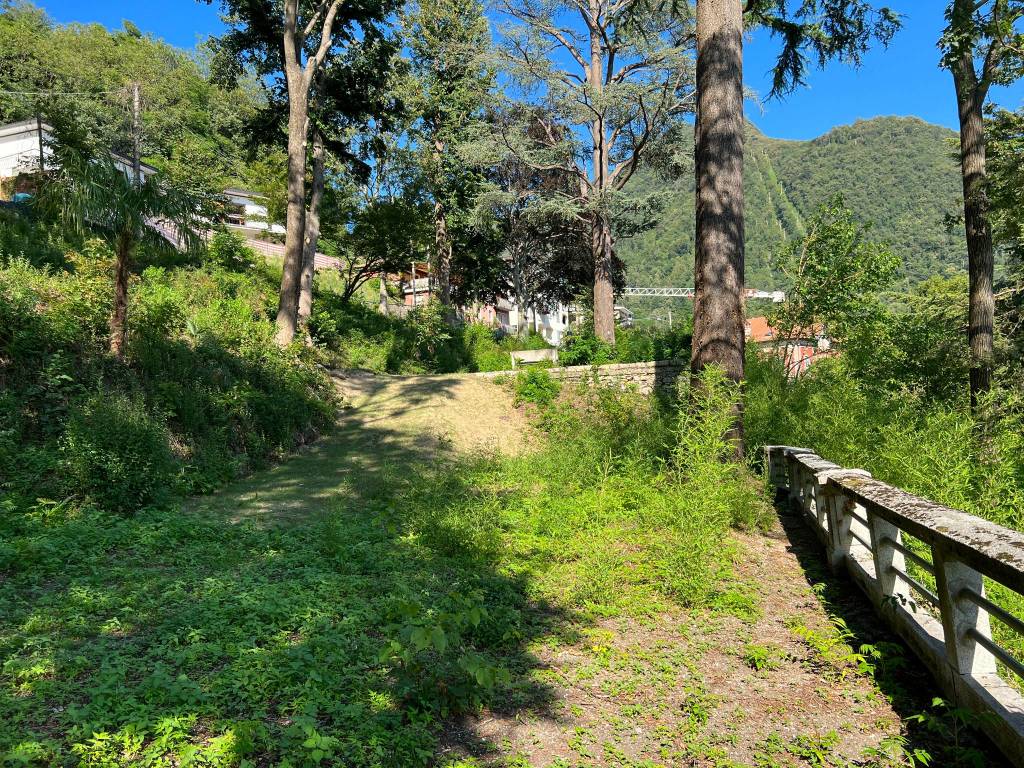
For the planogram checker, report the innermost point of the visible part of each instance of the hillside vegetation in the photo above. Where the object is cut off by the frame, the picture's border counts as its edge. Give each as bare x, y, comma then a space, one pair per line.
897, 172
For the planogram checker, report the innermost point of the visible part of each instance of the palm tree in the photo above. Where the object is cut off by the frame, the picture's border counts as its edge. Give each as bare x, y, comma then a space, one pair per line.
93, 195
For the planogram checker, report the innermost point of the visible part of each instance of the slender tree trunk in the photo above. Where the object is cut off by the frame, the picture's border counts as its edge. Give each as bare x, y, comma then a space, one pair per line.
383, 299
442, 240
442, 255
604, 292
970, 97
295, 222
312, 233
601, 235
119, 313
519, 289
718, 336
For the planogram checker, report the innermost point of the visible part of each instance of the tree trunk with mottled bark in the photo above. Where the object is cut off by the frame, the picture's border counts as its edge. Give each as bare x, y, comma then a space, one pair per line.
119, 313
295, 220
604, 292
442, 241
312, 231
718, 327
601, 235
299, 79
970, 97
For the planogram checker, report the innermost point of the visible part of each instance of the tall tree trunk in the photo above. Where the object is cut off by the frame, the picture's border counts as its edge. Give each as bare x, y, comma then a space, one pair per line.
119, 313
601, 235
970, 98
519, 289
442, 256
295, 222
718, 336
442, 238
312, 233
604, 292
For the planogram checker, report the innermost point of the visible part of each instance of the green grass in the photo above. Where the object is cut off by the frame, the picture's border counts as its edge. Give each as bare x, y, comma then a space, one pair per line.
397, 592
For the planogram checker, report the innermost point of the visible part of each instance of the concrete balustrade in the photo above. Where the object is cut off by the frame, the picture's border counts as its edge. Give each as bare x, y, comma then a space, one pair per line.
661, 375
862, 523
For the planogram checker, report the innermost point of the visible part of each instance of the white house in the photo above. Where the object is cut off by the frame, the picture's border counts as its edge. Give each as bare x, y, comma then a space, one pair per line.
247, 211
21, 146
551, 325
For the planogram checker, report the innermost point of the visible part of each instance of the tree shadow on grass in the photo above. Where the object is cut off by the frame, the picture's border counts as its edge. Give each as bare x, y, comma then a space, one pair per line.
899, 675
335, 610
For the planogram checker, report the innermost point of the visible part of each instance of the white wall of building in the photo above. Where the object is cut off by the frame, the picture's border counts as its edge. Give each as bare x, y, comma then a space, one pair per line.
254, 213
19, 148
552, 326
19, 151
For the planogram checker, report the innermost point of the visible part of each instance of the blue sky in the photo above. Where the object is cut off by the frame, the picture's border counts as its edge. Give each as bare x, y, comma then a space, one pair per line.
901, 80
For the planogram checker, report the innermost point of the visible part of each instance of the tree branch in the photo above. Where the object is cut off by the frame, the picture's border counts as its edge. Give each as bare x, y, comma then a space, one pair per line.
326, 40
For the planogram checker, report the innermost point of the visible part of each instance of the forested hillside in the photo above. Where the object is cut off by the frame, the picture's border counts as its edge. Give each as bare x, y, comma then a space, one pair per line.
897, 172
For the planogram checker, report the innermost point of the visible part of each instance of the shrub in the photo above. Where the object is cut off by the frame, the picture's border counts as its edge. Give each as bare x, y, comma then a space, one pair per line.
228, 249
485, 352
636, 496
117, 453
632, 345
582, 347
535, 385
204, 373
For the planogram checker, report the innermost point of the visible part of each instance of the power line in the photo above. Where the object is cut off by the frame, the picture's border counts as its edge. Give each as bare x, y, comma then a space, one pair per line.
60, 93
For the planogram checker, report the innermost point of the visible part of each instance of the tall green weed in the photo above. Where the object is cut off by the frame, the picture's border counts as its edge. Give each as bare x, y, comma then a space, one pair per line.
934, 449
202, 395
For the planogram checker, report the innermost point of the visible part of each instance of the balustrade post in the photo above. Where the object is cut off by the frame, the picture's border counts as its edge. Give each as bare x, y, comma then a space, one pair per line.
837, 507
960, 616
887, 558
795, 487
776, 461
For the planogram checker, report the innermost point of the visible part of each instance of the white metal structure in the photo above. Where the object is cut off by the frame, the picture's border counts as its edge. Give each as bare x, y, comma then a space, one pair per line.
688, 293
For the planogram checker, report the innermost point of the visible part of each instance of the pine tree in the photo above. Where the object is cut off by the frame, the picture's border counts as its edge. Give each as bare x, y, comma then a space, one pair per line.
615, 75
448, 41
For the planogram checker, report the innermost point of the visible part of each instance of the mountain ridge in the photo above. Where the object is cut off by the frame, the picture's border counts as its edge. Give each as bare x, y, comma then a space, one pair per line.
899, 173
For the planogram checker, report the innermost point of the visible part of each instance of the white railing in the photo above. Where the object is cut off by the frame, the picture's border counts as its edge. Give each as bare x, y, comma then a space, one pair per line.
688, 293
863, 523
320, 260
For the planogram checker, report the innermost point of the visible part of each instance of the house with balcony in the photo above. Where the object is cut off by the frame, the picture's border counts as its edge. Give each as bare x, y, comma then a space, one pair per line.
246, 211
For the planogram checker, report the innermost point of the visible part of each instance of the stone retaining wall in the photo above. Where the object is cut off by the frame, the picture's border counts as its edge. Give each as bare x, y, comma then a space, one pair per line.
646, 377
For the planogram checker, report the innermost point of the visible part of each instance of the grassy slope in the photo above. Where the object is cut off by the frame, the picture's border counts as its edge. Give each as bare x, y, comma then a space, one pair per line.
340, 608
895, 172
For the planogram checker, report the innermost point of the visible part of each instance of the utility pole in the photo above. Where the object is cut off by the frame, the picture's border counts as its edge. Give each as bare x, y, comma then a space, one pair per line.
39, 131
670, 318
137, 134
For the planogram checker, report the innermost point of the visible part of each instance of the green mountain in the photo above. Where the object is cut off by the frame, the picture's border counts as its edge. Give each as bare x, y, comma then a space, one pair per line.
897, 172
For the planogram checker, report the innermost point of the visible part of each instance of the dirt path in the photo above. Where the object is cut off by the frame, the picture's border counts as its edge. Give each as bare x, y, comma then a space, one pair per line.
465, 413
388, 423
783, 686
